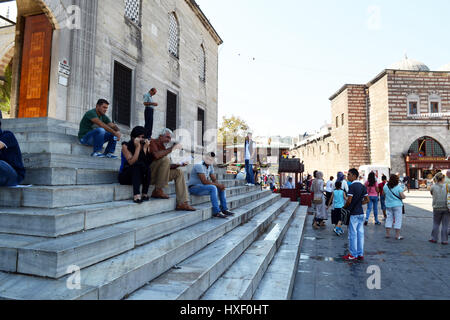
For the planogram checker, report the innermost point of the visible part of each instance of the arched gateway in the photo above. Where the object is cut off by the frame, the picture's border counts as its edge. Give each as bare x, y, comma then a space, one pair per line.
425, 158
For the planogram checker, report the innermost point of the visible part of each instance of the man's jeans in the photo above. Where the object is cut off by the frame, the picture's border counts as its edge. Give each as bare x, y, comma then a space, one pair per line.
97, 138
148, 122
249, 171
214, 193
356, 236
8, 176
373, 204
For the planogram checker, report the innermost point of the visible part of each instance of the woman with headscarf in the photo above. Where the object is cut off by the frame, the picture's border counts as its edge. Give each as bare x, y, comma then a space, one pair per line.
135, 168
321, 210
341, 178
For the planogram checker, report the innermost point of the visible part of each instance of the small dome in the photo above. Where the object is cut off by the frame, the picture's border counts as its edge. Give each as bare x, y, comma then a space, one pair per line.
409, 65
445, 68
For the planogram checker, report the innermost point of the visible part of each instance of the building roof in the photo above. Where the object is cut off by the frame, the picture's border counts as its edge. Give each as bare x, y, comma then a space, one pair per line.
409, 65
206, 23
345, 87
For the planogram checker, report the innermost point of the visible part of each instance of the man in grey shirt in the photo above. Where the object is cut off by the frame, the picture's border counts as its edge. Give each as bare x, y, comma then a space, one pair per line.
203, 182
149, 112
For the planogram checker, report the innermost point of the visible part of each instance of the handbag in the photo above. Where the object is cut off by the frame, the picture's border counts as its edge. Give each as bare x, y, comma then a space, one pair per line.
317, 199
403, 208
345, 216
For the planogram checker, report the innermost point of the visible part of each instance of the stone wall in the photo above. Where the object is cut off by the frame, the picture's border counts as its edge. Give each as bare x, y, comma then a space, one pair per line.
145, 50
106, 36
379, 123
340, 143
357, 126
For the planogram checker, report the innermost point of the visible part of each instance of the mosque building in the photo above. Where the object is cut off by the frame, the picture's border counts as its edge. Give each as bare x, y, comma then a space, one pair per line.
399, 120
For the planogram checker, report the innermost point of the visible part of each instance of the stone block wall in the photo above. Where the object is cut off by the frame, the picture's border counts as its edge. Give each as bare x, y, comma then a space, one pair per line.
379, 123
357, 126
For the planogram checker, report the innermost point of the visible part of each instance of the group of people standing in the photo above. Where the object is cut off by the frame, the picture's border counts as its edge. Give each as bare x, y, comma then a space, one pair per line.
348, 194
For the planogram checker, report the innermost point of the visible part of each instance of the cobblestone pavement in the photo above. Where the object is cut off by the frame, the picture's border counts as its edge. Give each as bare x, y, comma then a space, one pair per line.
410, 269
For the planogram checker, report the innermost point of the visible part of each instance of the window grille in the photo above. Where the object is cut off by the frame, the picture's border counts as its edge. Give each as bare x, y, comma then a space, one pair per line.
122, 94
171, 115
174, 36
132, 10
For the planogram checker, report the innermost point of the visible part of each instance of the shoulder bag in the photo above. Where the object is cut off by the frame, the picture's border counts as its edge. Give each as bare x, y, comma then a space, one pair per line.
403, 208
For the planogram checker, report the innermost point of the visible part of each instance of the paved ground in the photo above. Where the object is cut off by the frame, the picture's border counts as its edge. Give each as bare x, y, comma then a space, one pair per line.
410, 269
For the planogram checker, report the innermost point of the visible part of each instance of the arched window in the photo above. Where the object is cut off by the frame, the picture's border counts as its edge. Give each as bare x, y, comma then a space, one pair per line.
202, 64
133, 10
413, 104
174, 35
427, 147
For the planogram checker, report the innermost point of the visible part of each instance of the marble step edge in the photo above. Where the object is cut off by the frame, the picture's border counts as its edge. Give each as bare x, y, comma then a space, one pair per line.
278, 281
119, 276
241, 280
201, 270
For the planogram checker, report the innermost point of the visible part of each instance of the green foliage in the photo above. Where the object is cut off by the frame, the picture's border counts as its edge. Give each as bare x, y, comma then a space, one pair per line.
5, 90
233, 129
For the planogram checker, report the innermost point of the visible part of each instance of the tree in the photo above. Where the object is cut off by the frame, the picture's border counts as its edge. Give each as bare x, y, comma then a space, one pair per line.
233, 129
5, 91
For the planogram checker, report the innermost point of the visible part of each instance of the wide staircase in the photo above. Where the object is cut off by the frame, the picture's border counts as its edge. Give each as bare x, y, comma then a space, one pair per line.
76, 234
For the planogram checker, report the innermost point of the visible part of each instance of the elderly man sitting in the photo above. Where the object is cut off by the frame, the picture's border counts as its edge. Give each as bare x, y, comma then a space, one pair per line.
163, 171
203, 182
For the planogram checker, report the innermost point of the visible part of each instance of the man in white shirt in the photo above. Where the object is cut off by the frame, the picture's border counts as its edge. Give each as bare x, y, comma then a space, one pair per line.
289, 184
250, 152
329, 190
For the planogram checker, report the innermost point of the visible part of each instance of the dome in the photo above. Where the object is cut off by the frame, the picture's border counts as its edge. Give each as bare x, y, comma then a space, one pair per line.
445, 68
409, 65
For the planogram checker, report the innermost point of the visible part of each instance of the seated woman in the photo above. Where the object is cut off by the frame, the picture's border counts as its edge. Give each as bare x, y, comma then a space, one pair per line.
135, 168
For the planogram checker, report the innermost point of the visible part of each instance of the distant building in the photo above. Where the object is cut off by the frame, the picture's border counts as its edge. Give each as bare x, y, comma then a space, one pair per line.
400, 119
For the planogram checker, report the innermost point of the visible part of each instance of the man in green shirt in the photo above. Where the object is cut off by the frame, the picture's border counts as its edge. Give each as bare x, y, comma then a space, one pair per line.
96, 129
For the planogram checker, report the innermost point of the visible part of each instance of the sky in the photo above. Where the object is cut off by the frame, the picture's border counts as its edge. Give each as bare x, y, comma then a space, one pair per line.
282, 60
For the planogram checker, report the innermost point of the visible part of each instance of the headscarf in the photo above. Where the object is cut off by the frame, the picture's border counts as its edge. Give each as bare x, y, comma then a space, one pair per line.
340, 177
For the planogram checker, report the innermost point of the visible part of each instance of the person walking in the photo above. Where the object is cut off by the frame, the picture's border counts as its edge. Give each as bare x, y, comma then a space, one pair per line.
319, 201
406, 181
373, 191
394, 204
441, 215
329, 190
383, 195
357, 197
250, 152
338, 199
135, 168
149, 112
341, 178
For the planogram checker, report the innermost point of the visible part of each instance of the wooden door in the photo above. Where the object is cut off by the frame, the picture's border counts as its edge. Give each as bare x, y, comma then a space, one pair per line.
36, 56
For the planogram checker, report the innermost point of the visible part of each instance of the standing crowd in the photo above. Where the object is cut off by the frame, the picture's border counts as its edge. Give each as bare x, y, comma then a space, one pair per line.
347, 195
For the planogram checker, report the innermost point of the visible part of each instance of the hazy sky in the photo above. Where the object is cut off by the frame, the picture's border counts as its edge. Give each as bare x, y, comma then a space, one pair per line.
282, 60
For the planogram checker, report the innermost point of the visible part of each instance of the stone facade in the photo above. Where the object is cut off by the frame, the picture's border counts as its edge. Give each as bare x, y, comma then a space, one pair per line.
105, 36
371, 124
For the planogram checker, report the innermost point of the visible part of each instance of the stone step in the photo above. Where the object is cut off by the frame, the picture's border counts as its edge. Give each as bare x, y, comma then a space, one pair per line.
21, 287
52, 257
278, 281
63, 221
117, 277
240, 281
202, 269
69, 196
74, 149
34, 125
73, 176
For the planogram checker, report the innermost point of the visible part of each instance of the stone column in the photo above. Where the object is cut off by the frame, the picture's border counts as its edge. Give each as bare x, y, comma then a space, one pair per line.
81, 85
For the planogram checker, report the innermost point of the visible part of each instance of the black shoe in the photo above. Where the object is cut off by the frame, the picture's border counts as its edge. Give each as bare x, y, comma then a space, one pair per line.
138, 201
228, 213
145, 199
366, 223
220, 215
